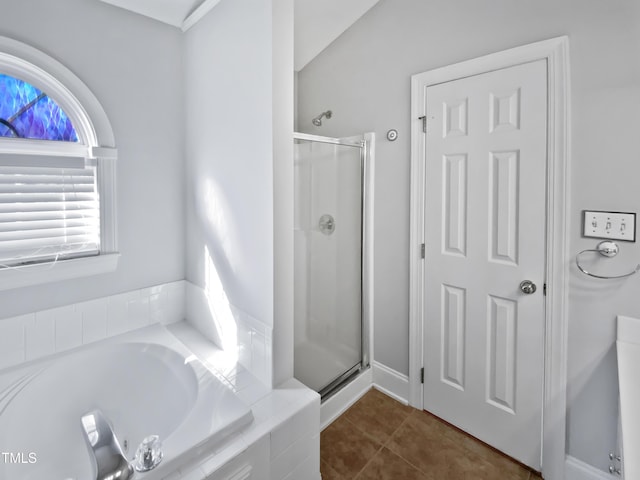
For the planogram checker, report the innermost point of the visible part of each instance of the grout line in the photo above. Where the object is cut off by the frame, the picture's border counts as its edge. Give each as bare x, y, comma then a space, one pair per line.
354, 425
418, 469
364, 432
384, 445
370, 460
442, 439
369, 436
396, 430
399, 455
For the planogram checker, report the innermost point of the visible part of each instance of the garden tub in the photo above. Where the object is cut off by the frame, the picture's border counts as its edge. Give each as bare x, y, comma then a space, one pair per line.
145, 382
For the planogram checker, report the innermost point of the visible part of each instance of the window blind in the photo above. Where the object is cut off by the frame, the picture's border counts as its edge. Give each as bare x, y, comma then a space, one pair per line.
48, 213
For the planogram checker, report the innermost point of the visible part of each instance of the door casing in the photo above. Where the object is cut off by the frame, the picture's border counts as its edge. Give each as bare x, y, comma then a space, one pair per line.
556, 52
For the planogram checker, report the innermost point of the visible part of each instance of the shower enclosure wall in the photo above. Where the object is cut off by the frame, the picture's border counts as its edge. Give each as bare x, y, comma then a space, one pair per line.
331, 334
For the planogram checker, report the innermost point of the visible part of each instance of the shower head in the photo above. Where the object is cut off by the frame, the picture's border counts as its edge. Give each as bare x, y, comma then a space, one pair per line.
318, 120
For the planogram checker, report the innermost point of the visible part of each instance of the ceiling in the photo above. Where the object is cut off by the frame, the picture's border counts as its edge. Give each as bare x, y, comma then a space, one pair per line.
317, 22
173, 12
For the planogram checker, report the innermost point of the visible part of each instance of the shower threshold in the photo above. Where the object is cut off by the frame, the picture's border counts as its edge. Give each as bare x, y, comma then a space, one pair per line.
339, 382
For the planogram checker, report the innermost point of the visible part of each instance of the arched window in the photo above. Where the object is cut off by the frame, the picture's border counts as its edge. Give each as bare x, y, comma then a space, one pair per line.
57, 172
27, 112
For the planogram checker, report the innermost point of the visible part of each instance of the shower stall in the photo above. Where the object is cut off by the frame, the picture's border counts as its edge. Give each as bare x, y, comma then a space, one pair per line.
331, 274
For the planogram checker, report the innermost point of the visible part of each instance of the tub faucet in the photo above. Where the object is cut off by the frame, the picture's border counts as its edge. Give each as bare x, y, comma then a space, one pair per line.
110, 461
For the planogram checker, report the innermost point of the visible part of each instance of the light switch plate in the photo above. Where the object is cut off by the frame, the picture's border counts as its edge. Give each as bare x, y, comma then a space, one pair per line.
611, 225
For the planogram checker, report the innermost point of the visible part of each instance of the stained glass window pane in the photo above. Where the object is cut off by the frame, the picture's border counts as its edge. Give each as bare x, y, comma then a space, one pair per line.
27, 112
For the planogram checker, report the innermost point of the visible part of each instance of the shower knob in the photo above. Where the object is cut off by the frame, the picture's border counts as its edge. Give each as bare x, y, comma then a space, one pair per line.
327, 224
528, 287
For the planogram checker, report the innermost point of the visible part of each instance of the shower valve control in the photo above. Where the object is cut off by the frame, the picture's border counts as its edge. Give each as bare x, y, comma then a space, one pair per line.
327, 224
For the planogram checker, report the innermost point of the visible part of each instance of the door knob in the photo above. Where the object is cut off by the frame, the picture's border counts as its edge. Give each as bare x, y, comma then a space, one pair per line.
528, 287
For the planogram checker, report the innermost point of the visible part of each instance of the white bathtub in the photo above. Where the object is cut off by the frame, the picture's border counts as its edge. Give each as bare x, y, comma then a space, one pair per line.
145, 382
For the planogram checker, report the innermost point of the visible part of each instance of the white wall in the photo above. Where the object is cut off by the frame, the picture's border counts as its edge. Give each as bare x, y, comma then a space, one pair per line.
229, 153
363, 77
283, 121
239, 153
221, 94
133, 66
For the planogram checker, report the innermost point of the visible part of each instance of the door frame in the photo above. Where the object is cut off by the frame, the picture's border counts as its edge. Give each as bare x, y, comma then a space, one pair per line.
556, 52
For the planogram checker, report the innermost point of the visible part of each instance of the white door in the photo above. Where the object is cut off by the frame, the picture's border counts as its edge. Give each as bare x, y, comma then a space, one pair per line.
485, 234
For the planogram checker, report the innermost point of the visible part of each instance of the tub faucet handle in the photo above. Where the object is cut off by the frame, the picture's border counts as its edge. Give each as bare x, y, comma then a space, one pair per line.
109, 460
149, 454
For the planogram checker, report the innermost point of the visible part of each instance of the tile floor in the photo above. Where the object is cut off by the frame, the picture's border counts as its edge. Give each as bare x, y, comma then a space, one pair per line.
378, 438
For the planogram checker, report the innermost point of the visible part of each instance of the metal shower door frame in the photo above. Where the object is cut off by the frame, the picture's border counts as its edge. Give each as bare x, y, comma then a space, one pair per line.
365, 144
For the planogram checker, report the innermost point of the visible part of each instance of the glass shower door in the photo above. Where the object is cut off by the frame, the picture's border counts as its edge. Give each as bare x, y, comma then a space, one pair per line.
327, 261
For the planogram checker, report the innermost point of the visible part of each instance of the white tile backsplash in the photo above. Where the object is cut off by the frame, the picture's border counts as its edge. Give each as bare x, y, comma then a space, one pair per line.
94, 320
173, 303
12, 332
253, 339
41, 335
294, 458
282, 442
295, 429
12, 340
117, 312
309, 468
11, 357
68, 325
138, 312
35, 335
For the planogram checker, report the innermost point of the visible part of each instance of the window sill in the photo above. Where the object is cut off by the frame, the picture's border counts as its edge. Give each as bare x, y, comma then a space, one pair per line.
28, 275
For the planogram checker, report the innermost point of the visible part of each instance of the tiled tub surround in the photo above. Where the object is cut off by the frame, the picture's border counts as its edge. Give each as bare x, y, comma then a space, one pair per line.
282, 443
283, 440
211, 313
35, 335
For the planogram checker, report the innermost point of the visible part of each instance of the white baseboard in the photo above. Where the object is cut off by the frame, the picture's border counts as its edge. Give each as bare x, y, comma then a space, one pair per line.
336, 405
578, 470
391, 382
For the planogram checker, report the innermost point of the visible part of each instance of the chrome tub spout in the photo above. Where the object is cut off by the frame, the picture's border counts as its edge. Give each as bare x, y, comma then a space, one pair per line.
111, 464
